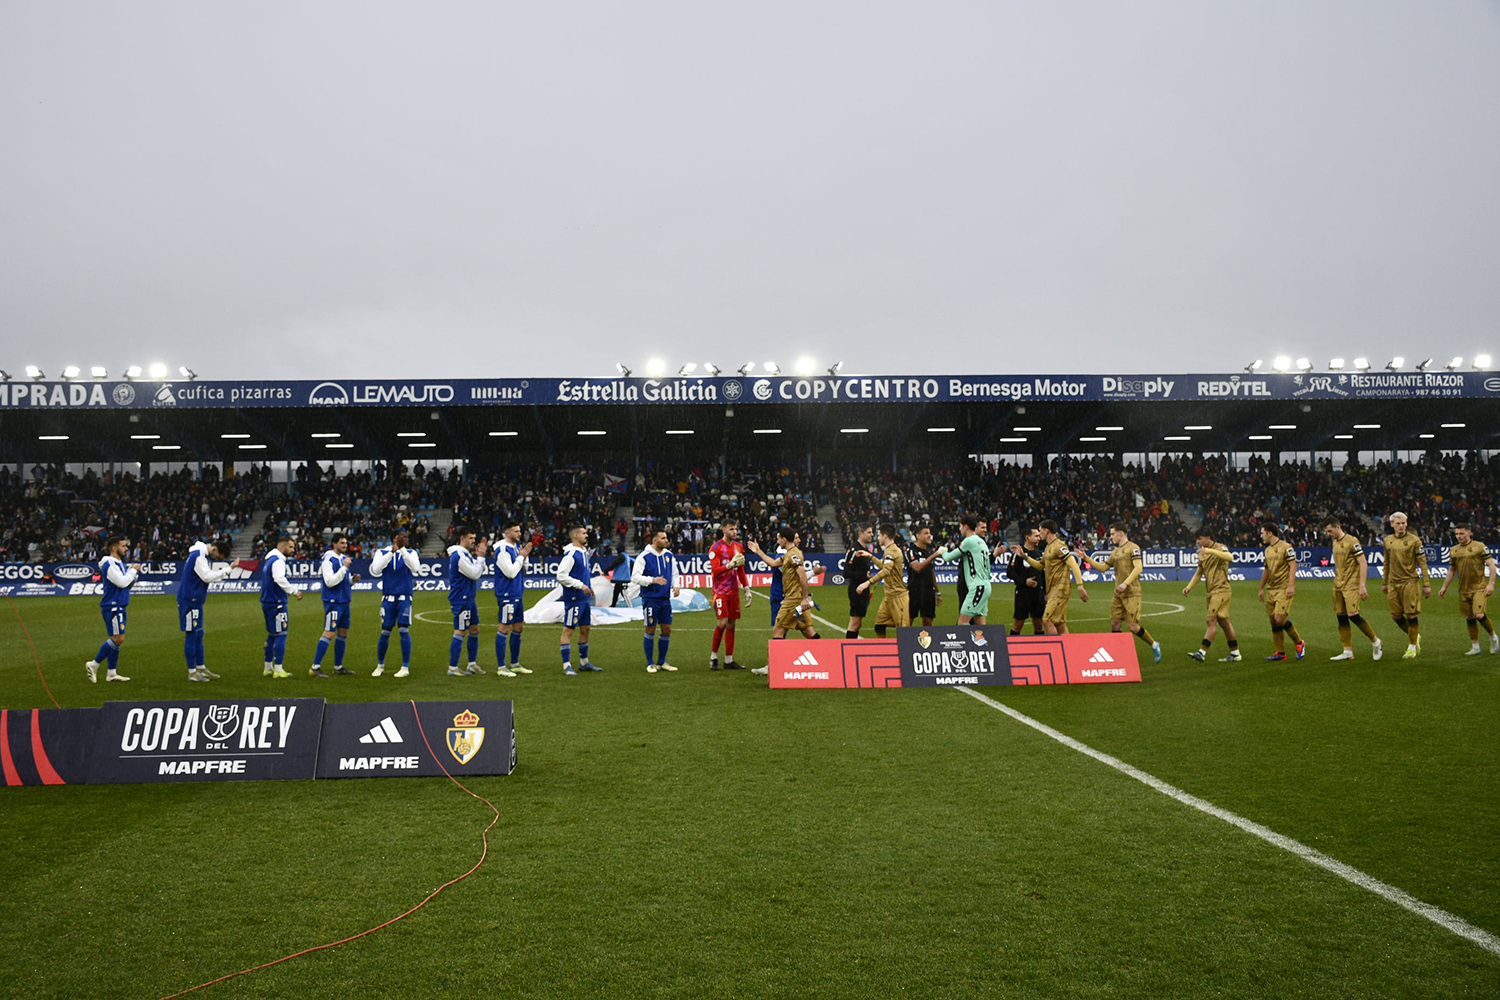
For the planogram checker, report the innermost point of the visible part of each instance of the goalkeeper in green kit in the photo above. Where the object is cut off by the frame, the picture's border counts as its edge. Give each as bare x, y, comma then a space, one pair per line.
974, 556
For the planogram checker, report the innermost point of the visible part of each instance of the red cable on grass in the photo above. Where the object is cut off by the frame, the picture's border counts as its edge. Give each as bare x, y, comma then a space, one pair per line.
484, 853
34, 654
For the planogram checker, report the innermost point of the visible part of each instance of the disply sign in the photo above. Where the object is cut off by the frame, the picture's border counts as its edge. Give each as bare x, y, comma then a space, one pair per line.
374, 739
230, 739
946, 655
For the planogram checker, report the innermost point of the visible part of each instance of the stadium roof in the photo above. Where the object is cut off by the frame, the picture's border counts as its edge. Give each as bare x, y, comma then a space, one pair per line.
500, 420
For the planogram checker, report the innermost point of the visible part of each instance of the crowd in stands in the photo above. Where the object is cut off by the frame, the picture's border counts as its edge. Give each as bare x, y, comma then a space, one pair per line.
54, 515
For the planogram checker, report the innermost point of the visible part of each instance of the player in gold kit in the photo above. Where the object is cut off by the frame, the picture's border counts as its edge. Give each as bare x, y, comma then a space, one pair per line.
1350, 571
1127, 563
1475, 568
1213, 568
796, 601
1405, 564
894, 609
1061, 571
1278, 585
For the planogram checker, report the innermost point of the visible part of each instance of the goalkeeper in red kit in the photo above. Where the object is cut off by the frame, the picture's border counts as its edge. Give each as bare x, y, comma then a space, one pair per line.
731, 586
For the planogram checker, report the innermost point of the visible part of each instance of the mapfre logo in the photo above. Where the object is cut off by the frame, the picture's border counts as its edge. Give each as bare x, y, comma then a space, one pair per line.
806, 675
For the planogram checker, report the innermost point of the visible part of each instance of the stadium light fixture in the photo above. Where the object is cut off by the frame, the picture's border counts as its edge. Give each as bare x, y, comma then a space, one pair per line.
51, 437
806, 366
1452, 426
1426, 436
1026, 430
145, 437
1199, 427
234, 437
1362, 364
133, 372
1424, 365
1481, 361
592, 433
421, 444
32, 371
504, 434
766, 430
711, 370
1254, 366
99, 371
1367, 427
1396, 364
1109, 428
1261, 437
1336, 365
1013, 440
411, 434
1304, 365
656, 367
1093, 439
4, 376
326, 434
166, 447
854, 430
772, 368
158, 370
187, 373
338, 444
1343, 437
941, 430
624, 370
688, 368
679, 432
252, 447
1282, 363
72, 372
746, 368
1281, 427
1454, 365
835, 368
1177, 437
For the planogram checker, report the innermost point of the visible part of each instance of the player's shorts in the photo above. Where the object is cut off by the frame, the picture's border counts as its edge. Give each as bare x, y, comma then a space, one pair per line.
276, 618
1405, 599
1279, 605
1218, 603
1346, 602
1056, 611
335, 616
859, 604
114, 619
465, 616
1125, 607
727, 606
658, 611
190, 617
976, 602
576, 615
395, 610
894, 610
1471, 605
922, 604
512, 611
1031, 602
790, 618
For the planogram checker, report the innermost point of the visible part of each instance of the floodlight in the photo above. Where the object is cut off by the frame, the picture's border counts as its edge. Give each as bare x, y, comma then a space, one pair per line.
837, 367
72, 371
1282, 363
134, 371
772, 368
1304, 365
711, 370
622, 369
1254, 366
1396, 364
187, 373
1362, 364
1336, 365
1424, 365
1481, 361
806, 366
99, 371
687, 369
32, 371
4, 376
746, 368
158, 370
656, 366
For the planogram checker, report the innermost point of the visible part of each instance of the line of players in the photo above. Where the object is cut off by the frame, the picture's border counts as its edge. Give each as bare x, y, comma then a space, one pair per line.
1044, 587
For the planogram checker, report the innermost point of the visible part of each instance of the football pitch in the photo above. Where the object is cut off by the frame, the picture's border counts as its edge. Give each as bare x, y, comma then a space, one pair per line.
697, 834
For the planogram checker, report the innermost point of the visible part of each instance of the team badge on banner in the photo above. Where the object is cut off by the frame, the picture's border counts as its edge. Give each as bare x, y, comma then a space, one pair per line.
465, 736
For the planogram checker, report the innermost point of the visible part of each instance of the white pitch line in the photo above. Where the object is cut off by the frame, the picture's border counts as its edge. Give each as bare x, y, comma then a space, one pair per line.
1441, 917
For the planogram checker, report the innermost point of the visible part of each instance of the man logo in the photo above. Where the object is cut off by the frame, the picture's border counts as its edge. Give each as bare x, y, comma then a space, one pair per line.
978, 637
328, 394
733, 390
465, 737
124, 394
220, 722
762, 389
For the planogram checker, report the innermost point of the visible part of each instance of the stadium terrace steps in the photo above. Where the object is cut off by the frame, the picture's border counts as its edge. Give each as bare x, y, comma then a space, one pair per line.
439, 520
1189, 515
244, 542
833, 541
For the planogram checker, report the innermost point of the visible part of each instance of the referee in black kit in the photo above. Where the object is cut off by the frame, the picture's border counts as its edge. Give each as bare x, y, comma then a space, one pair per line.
921, 581
857, 564
1031, 596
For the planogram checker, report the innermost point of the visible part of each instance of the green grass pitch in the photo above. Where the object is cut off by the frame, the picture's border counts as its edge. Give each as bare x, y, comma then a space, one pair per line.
697, 834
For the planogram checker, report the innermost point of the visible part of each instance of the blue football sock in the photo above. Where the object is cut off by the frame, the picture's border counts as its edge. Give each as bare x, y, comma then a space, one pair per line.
268, 649
500, 649
322, 650
661, 649
405, 646
114, 654
104, 651
583, 652
383, 644
567, 652
647, 640
339, 645
279, 650
455, 648
198, 646
515, 646
473, 647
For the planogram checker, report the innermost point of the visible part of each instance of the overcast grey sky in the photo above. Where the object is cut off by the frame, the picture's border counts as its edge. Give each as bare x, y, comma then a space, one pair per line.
376, 189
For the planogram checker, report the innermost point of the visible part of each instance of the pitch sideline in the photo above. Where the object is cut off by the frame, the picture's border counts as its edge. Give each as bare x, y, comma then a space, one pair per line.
1441, 917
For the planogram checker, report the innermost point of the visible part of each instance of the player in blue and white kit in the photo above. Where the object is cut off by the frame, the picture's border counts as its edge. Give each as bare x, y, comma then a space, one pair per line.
510, 584
274, 588
578, 599
655, 572
465, 567
336, 593
198, 571
117, 580
396, 566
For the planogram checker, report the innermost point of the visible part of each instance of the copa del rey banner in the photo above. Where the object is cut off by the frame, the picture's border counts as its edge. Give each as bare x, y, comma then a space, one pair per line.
952, 656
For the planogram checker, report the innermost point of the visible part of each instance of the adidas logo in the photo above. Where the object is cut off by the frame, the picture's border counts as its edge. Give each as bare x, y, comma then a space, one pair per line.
806, 660
1101, 657
383, 733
